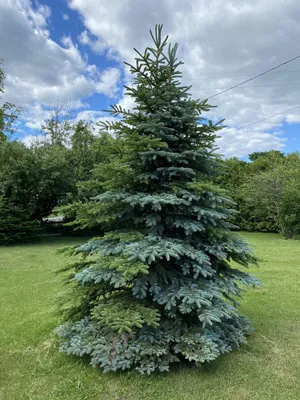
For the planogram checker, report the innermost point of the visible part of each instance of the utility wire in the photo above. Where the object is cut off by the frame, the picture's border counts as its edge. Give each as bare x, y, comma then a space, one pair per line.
254, 77
235, 76
254, 86
264, 119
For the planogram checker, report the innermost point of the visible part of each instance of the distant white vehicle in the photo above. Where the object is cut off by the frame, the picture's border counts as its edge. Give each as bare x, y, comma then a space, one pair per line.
53, 220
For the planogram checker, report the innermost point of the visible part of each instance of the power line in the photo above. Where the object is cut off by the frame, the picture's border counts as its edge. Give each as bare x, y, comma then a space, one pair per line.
263, 122
235, 76
254, 86
264, 119
248, 80
254, 77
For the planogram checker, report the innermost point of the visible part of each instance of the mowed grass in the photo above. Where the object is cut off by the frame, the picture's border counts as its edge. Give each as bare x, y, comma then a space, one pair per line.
31, 367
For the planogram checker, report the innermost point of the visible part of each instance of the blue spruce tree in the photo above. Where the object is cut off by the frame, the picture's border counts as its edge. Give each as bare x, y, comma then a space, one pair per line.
158, 287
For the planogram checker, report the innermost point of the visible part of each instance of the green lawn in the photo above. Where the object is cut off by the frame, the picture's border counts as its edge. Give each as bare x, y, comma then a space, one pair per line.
32, 368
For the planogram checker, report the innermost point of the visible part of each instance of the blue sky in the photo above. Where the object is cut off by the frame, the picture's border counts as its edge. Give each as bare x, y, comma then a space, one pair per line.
72, 52
292, 134
67, 22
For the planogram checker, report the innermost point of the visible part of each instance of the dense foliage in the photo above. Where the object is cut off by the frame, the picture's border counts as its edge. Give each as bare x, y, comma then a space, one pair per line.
8, 112
15, 226
34, 179
266, 190
157, 287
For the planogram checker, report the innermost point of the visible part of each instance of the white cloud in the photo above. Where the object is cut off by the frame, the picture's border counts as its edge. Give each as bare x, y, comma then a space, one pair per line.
35, 117
97, 46
40, 71
244, 142
222, 43
84, 38
65, 17
108, 82
94, 116
36, 140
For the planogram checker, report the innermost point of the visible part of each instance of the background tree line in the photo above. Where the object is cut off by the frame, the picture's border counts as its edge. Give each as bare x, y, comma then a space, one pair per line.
266, 190
35, 180
69, 167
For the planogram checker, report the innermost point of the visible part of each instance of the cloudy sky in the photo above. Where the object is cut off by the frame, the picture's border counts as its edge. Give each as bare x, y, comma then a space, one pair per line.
72, 52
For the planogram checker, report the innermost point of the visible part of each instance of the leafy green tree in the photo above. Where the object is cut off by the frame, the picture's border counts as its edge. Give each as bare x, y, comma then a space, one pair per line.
240, 177
17, 178
82, 142
15, 225
55, 179
158, 287
264, 161
289, 204
274, 195
90, 156
8, 112
258, 202
18, 172
232, 178
34, 180
233, 175
258, 154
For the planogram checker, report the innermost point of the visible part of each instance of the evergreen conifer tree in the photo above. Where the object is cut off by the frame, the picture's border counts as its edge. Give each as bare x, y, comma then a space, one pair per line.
158, 287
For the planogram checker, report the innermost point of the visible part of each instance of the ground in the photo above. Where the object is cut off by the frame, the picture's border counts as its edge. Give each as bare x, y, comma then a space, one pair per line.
31, 368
